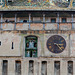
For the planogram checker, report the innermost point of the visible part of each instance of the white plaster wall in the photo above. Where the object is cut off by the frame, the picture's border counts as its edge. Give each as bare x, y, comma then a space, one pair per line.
6, 44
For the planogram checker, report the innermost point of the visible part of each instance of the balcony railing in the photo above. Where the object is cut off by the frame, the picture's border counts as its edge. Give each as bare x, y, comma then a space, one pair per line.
37, 26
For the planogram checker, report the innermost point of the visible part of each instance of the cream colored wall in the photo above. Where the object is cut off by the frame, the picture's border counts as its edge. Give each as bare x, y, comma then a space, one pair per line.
7, 38
6, 43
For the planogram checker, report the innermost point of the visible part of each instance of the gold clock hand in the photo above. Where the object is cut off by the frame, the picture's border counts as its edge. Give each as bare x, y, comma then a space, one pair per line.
59, 47
58, 44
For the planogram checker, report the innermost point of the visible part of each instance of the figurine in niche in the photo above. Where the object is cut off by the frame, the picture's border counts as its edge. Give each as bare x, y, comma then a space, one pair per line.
28, 53
34, 53
35, 44
27, 45
31, 43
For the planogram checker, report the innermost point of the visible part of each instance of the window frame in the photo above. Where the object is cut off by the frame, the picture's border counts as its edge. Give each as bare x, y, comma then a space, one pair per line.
53, 18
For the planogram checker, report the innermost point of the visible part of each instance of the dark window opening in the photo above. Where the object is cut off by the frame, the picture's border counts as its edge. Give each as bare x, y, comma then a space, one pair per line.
25, 21
0, 43
31, 67
5, 67
9, 21
44, 68
12, 46
57, 68
18, 67
70, 67
6, 20
53, 20
63, 20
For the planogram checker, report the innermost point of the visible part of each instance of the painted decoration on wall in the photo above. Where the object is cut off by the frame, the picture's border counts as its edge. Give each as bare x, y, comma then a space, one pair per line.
56, 44
62, 3
39, 3
3, 3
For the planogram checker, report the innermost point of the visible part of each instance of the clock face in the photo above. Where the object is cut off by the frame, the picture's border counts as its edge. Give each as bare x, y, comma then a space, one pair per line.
56, 44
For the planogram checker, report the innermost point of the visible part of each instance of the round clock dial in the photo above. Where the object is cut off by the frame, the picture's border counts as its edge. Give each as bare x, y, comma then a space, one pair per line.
56, 44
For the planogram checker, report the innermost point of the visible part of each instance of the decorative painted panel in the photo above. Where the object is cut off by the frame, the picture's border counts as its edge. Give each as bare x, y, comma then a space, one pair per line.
31, 46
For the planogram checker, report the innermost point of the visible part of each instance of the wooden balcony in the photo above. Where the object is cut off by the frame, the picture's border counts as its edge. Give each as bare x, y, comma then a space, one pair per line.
37, 26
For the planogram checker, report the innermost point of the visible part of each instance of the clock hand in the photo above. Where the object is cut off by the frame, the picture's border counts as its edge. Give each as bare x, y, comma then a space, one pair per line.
58, 45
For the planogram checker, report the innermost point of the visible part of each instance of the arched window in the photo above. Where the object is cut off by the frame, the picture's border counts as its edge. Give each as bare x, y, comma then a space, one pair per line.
31, 46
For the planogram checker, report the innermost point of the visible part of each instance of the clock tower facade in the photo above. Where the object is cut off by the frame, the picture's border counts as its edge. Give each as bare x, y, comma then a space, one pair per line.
37, 38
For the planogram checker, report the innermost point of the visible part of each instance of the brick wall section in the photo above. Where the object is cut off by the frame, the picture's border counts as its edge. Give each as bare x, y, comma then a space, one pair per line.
36, 26
65, 26
51, 26
22, 26
8, 26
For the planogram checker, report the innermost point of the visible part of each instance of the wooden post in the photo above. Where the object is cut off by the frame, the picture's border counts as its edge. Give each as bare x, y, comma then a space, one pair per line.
29, 20
1, 21
72, 21
57, 20
43, 21
15, 21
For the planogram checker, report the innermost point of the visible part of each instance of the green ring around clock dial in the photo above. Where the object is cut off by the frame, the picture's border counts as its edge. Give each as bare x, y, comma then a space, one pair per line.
56, 44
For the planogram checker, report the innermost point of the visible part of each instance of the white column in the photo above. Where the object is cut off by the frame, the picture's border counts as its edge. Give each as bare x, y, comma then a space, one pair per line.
15, 18
29, 20
43, 21
43, 17
58, 20
26, 67
39, 67
73, 67
0, 67
63, 67
11, 67
36, 68
15, 21
49, 68
23, 67
72, 21
1, 21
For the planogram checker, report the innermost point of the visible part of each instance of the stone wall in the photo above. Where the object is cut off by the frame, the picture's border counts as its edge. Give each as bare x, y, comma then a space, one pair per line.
18, 39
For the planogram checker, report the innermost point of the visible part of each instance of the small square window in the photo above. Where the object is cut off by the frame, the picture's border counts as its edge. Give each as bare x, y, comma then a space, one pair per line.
53, 20
63, 20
